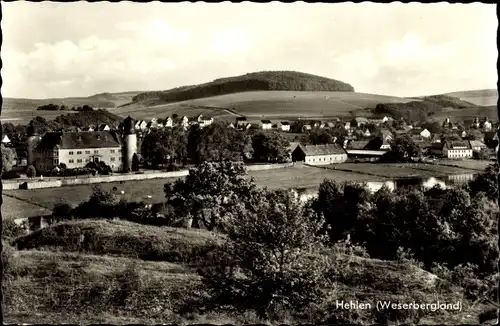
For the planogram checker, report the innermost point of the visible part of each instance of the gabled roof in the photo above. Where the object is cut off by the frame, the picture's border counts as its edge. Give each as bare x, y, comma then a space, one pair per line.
454, 144
358, 144
361, 119
285, 123
327, 149
241, 119
477, 143
265, 121
76, 140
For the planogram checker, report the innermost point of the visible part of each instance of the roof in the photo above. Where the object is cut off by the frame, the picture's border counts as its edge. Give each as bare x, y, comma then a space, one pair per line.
477, 143
327, 149
293, 145
361, 119
358, 144
285, 123
70, 140
265, 121
457, 144
241, 119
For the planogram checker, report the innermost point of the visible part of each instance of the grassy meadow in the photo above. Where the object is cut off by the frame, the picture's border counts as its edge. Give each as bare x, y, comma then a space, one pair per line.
51, 276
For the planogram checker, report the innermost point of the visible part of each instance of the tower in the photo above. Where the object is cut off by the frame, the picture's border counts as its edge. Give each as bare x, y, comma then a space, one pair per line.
33, 141
130, 142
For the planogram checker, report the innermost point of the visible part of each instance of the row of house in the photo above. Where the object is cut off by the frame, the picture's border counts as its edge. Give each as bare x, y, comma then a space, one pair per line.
243, 123
202, 121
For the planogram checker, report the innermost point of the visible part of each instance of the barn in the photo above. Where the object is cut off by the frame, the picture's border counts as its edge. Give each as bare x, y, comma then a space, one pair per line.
319, 154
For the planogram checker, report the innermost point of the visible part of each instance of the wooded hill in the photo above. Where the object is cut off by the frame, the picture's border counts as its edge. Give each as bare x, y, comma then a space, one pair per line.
422, 107
258, 81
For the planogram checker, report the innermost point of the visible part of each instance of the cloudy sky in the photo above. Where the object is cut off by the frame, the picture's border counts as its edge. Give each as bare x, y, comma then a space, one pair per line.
80, 49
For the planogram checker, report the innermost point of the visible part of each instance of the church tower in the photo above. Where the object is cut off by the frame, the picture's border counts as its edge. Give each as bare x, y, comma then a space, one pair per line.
130, 142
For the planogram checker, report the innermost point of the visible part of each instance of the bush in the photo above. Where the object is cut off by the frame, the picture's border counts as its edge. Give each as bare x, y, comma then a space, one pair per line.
10, 175
173, 167
31, 171
11, 229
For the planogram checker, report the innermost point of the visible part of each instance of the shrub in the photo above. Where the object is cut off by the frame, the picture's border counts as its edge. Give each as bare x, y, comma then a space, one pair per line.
173, 167
11, 229
10, 175
31, 171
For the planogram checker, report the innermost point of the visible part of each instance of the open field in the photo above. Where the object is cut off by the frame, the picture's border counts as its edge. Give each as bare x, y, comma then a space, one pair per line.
58, 279
478, 165
13, 208
489, 112
417, 170
74, 195
291, 177
485, 97
25, 116
305, 177
272, 104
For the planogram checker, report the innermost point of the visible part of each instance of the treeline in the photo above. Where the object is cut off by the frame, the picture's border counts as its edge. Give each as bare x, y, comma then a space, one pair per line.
449, 101
259, 81
86, 118
420, 110
172, 147
62, 107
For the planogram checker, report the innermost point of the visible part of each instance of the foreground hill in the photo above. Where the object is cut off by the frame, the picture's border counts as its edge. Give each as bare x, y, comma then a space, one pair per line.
257, 81
54, 275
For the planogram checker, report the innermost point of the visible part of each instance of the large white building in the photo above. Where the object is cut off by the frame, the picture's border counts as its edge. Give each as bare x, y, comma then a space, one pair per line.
319, 154
77, 149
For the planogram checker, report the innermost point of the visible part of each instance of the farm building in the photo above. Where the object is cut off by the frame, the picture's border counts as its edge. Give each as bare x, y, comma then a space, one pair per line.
5, 140
266, 124
319, 154
452, 149
284, 126
477, 145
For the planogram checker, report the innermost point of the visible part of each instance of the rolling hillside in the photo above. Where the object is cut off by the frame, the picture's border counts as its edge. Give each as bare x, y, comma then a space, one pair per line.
483, 97
265, 104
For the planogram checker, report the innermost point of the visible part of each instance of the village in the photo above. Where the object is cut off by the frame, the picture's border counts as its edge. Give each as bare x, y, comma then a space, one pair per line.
364, 140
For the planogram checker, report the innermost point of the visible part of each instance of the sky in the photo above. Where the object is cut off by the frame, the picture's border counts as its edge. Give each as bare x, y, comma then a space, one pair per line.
80, 49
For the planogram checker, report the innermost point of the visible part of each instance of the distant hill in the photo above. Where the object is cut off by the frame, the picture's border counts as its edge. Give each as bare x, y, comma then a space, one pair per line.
483, 97
257, 81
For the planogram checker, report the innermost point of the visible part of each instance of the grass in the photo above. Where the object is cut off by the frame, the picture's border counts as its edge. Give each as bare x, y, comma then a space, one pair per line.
134, 191
477, 165
13, 208
304, 177
417, 170
122, 238
485, 97
52, 284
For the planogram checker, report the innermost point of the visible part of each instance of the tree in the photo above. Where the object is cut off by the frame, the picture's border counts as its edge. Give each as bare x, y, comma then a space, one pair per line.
485, 183
209, 192
62, 211
8, 158
403, 148
272, 258
31, 171
135, 162
270, 147
433, 127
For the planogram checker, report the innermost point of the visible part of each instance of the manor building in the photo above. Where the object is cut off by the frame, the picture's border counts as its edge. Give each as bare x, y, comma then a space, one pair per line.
77, 149
319, 154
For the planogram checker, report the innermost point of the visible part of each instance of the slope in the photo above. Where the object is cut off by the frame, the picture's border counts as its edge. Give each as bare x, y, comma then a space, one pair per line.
483, 97
57, 284
264, 104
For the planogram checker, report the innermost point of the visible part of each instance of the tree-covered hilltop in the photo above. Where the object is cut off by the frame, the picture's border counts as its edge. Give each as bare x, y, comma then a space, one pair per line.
420, 110
257, 81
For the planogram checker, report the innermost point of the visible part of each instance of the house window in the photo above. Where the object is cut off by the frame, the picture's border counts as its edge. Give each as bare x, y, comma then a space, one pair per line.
112, 151
79, 160
71, 153
87, 152
78, 152
96, 152
112, 159
56, 162
71, 161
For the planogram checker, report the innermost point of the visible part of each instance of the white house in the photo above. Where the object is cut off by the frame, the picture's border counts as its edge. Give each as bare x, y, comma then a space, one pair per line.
284, 126
367, 133
205, 121
266, 124
487, 125
5, 140
477, 145
452, 149
104, 127
141, 125
184, 122
425, 133
347, 126
169, 122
